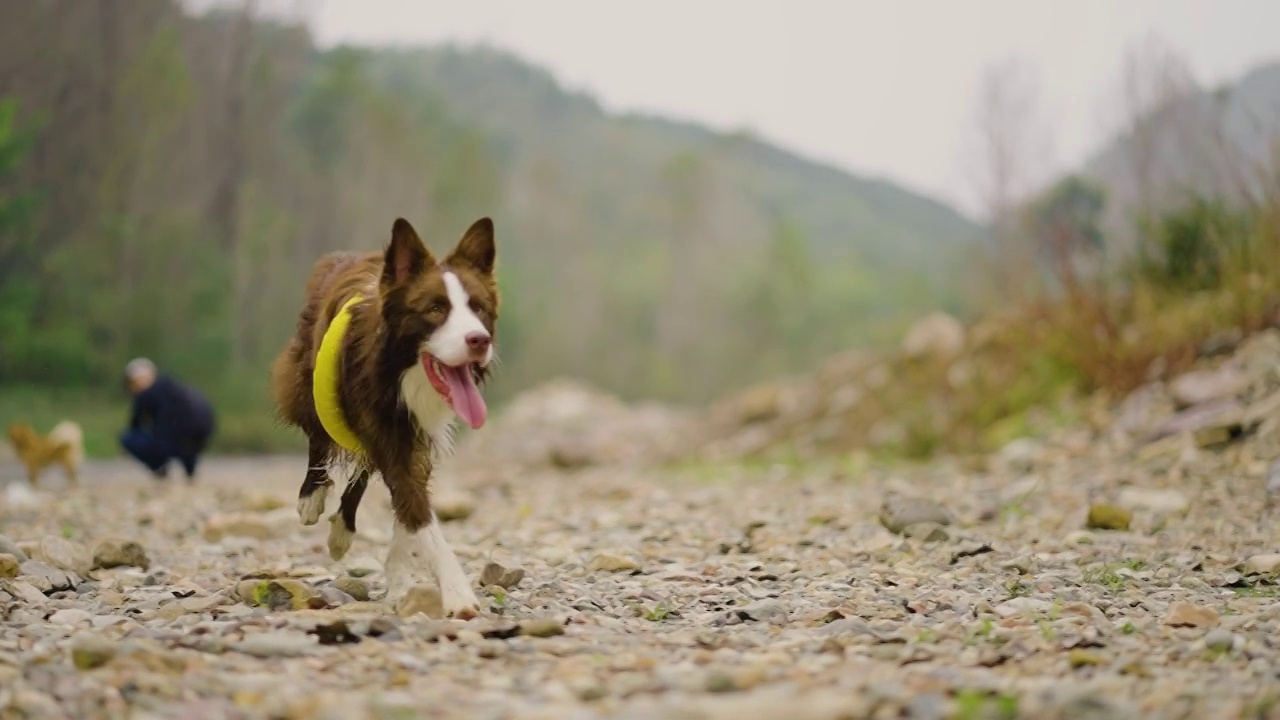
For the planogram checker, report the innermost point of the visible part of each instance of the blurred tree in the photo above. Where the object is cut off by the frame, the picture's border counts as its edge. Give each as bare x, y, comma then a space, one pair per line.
1012, 149
1066, 222
19, 281
1191, 246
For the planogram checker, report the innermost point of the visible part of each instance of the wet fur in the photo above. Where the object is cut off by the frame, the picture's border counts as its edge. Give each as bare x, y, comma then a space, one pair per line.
64, 445
404, 290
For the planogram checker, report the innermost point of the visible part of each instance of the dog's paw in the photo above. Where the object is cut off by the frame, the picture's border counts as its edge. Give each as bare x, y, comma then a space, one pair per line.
311, 507
459, 602
468, 612
339, 537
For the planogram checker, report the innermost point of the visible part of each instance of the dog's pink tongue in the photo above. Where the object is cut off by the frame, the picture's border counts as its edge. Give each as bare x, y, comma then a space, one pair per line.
465, 396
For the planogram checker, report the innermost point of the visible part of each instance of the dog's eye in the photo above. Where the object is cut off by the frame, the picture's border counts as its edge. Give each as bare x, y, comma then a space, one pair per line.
435, 309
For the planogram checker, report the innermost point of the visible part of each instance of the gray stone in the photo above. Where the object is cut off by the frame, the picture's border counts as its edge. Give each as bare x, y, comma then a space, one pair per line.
927, 531
504, 577
63, 554
70, 616
1262, 564
48, 579
763, 610
1201, 386
9, 547
420, 599
354, 587
1153, 499
282, 643
898, 512
1219, 640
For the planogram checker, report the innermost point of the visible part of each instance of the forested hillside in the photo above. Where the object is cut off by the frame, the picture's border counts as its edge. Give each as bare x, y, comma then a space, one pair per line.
166, 182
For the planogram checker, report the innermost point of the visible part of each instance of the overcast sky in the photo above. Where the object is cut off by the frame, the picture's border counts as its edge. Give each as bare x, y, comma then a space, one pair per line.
877, 87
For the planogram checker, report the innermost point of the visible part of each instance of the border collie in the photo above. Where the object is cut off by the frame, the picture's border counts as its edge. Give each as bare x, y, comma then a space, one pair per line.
389, 347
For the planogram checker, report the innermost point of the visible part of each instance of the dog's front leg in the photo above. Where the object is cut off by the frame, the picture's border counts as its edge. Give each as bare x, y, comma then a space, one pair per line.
316, 484
417, 537
455, 589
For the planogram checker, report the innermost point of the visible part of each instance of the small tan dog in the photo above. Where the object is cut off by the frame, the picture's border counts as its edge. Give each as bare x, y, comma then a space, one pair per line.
63, 446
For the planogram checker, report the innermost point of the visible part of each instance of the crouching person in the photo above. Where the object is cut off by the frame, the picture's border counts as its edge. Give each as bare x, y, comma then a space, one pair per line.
170, 420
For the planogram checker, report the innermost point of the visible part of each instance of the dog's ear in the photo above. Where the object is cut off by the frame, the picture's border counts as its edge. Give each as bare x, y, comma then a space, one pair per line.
476, 247
406, 256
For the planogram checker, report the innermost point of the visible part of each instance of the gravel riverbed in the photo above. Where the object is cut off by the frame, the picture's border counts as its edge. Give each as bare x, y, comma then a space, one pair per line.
616, 591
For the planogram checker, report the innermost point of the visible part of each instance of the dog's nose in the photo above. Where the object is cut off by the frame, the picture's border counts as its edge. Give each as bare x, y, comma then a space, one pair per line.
478, 341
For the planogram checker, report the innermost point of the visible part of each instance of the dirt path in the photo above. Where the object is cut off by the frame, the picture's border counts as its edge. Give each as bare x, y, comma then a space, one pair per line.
708, 594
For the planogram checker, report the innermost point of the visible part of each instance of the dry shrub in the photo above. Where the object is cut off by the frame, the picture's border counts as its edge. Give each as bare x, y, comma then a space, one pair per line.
1158, 322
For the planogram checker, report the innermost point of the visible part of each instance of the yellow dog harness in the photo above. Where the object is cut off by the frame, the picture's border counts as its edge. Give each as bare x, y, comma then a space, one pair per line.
324, 381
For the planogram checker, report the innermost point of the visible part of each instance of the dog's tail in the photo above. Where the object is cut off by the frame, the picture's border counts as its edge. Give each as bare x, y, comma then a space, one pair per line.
68, 433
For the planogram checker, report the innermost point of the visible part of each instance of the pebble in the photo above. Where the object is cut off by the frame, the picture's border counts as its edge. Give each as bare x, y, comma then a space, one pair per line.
1262, 564
120, 553
282, 643
1108, 517
255, 526
420, 599
608, 562
70, 616
363, 566
10, 566
898, 512
503, 577
453, 505
9, 547
280, 594
1153, 500
90, 651
1219, 640
354, 587
926, 531
762, 610
63, 554
543, 628
256, 500
46, 577
1084, 658
1185, 614
26, 592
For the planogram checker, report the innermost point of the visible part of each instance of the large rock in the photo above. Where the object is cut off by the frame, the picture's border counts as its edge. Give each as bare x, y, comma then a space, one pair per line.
1201, 386
1259, 357
937, 334
1204, 417
567, 424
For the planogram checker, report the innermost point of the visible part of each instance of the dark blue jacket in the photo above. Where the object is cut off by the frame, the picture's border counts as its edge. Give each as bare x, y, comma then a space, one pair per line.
172, 411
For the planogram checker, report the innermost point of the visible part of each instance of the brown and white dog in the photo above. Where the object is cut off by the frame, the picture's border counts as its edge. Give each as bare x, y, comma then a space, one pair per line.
64, 445
400, 342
